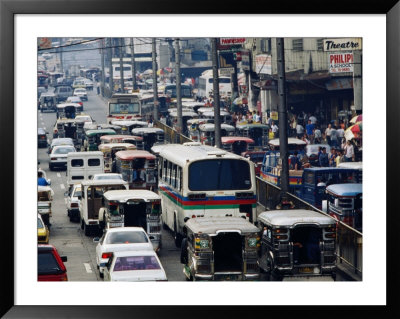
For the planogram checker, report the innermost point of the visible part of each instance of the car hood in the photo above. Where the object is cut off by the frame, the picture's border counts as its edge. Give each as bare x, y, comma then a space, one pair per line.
139, 275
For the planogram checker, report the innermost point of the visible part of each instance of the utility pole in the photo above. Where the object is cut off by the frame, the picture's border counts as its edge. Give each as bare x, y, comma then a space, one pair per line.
121, 64
61, 57
282, 117
155, 92
217, 122
111, 78
133, 64
178, 84
102, 43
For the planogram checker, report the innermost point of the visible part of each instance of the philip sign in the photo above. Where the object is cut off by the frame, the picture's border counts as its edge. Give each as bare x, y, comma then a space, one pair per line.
345, 44
341, 62
232, 41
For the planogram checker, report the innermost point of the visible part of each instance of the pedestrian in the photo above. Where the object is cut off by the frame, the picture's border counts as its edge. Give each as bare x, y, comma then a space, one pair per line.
348, 152
340, 134
299, 130
295, 163
323, 158
334, 137
309, 131
332, 157
256, 117
317, 135
339, 158
271, 134
41, 180
328, 133
313, 119
305, 139
274, 128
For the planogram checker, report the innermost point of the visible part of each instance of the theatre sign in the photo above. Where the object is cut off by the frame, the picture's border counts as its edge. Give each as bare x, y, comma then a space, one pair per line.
343, 44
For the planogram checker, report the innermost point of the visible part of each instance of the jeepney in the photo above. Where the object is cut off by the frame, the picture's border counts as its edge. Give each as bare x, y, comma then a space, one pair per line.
186, 116
128, 126
133, 208
92, 138
138, 168
225, 117
258, 132
48, 101
68, 110
297, 243
220, 248
109, 151
207, 132
95, 126
92, 201
345, 204
150, 135
45, 197
135, 140
237, 144
271, 167
193, 128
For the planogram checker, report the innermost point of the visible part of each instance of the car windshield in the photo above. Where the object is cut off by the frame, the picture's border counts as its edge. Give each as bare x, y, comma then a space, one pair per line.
219, 174
136, 263
39, 223
127, 237
77, 193
63, 150
47, 264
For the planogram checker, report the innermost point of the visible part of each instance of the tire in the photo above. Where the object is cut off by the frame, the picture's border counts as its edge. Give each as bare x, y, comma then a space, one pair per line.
82, 223
86, 229
101, 274
177, 236
50, 167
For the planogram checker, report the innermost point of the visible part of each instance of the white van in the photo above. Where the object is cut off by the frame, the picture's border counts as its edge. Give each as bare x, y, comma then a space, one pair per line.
83, 165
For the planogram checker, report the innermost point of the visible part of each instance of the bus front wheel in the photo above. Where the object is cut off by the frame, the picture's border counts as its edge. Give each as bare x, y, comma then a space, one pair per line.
177, 236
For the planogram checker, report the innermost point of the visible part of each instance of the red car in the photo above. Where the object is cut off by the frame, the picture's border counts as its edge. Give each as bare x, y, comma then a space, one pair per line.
257, 158
50, 264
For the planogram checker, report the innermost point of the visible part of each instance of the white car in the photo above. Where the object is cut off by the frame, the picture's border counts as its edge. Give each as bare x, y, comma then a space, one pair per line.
73, 197
120, 239
134, 266
82, 93
60, 141
84, 118
107, 176
58, 156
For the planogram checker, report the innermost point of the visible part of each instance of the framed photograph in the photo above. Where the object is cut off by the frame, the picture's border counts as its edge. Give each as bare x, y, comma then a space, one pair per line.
28, 32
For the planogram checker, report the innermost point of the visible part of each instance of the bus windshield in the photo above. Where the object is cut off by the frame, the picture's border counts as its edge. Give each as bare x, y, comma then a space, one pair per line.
124, 108
220, 174
185, 91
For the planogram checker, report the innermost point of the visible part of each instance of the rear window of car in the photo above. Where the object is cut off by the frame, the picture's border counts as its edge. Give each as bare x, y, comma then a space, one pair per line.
47, 264
93, 162
136, 263
39, 223
136, 237
77, 162
63, 150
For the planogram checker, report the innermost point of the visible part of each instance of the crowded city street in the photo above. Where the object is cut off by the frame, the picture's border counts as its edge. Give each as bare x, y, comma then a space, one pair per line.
163, 159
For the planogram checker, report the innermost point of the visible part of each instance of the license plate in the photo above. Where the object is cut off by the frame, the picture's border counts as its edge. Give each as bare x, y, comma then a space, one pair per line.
306, 270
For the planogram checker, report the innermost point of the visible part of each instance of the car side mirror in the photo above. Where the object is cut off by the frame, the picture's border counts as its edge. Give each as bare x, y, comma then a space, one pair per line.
66, 194
79, 197
151, 237
96, 239
64, 259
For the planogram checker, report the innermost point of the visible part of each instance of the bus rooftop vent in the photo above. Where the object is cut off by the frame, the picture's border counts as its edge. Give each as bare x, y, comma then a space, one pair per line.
217, 153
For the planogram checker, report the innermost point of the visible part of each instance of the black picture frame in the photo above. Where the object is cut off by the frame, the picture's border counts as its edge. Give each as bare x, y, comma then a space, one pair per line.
8, 10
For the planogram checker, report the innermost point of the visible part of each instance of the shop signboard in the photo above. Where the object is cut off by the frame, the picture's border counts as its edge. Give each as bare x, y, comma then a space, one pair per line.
343, 44
245, 60
341, 62
263, 64
232, 41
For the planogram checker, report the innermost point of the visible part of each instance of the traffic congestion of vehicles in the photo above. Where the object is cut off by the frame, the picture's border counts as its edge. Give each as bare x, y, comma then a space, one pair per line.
141, 208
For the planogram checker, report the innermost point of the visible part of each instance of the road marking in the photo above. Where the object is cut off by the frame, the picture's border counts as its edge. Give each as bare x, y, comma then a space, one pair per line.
62, 186
88, 269
58, 175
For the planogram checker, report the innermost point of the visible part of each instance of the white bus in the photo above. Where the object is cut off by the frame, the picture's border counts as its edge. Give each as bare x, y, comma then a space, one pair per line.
123, 106
127, 68
206, 82
197, 181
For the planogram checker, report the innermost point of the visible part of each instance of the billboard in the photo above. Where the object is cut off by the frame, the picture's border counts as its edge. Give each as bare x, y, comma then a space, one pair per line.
263, 64
341, 62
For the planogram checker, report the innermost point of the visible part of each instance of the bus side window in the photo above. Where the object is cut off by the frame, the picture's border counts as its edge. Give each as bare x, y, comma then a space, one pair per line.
169, 173
160, 162
165, 170
178, 178
173, 176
